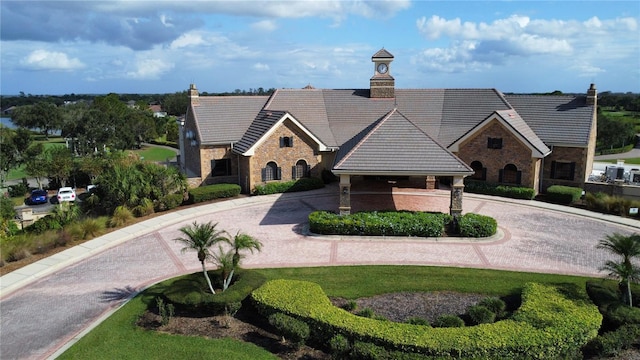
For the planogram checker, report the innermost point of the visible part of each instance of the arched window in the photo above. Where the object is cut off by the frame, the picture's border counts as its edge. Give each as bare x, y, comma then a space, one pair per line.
510, 174
271, 172
480, 171
300, 170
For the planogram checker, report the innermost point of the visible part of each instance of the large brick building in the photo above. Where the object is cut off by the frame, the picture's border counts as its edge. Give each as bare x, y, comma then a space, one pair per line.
415, 135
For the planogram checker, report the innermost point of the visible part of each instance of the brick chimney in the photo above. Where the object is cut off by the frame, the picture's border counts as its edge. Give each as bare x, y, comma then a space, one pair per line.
592, 95
194, 95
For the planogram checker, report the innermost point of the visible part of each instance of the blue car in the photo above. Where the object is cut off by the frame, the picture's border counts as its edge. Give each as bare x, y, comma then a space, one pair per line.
38, 197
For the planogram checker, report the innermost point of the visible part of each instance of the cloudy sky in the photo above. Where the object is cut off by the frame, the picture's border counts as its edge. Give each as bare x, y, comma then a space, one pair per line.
97, 47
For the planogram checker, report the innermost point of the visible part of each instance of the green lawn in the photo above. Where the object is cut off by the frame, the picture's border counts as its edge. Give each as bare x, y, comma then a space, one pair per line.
154, 153
629, 161
119, 338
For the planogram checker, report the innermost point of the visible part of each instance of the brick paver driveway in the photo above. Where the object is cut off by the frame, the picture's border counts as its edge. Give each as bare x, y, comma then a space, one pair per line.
41, 317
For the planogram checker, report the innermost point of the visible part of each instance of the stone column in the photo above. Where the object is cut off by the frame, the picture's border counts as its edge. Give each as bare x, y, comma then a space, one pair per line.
345, 194
430, 182
457, 188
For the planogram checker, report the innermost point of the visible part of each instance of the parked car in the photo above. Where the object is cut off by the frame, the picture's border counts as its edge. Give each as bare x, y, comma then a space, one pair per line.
38, 196
64, 194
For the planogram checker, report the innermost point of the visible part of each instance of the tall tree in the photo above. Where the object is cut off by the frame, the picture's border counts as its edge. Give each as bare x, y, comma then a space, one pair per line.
200, 238
242, 242
628, 248
60, 162
36, 163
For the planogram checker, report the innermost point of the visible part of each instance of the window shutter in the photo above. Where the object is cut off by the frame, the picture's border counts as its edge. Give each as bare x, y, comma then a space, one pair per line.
553, 169
264, 174
308, 172
518, 177
489, 143
281, 141
484, 173
500, 175
294, 173
573, 171
279, 174
213, 167
291, 141
498, 143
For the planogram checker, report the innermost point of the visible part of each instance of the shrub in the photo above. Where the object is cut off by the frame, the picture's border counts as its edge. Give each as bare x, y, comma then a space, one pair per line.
495, 305
43, 224
368, 351
303, 184
448, 321
350, 305
19, 189
608, 204
121, 216
379, 223
563, 194
168, 202
292, 329
92, 227
479, 314
611, 343
339, 346
476, 225
191, 291
366, 312
482, 187
144, 208
212, 192
418, 321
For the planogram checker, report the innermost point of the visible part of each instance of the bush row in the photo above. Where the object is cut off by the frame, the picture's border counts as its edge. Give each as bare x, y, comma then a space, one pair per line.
399, 223
514, 192
191, 291
546, 326
303, 184
211, 192
610, 204
379, 223
563, 194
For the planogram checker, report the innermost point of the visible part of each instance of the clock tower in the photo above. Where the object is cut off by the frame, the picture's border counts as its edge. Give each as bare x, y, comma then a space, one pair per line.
382, 84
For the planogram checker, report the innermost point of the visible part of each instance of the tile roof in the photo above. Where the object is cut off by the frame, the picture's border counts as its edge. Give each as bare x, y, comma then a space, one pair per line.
395, 145
382, 53
224, 119
259, 127
557, 120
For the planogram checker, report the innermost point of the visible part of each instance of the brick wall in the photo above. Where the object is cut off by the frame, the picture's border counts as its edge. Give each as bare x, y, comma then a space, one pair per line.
285, 157
567, 154
512, 152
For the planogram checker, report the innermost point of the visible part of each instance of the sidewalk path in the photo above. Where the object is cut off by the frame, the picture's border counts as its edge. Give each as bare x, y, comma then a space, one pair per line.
48, 305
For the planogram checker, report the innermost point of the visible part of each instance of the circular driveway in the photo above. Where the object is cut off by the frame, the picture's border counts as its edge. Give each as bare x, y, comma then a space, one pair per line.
52, 303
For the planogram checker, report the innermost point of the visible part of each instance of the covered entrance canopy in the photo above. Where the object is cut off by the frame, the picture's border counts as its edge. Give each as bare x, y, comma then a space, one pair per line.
394, 146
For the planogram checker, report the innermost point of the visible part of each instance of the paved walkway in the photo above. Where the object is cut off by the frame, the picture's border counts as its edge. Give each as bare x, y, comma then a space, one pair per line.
48, 305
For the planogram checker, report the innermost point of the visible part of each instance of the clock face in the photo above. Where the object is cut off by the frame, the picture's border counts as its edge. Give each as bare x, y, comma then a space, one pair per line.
382, 68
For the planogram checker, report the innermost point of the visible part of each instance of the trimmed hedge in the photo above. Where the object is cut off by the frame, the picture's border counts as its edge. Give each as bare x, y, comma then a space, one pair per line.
476, 225
192, 291
547, 325
514, 192
563, 194
290, 328
210, 192
303, 184
379, 223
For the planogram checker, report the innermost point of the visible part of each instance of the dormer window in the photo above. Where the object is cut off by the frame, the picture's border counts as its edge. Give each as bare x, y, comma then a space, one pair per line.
286, 141
494, 143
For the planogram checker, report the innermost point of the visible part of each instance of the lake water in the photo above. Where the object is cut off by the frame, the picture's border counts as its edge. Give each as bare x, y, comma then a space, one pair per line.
6, 122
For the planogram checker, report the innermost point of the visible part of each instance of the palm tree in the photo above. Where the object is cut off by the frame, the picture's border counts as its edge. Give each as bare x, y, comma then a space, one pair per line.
224, 259
628, 247
242, 242
201, 237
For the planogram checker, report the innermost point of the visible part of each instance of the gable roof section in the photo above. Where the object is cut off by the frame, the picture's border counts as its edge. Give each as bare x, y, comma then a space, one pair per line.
224, 119
463, 109
263, 125
516, 125
307, 105
395, 146
557, 120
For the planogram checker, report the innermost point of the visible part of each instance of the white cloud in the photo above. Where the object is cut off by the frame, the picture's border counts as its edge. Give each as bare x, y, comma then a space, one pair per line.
188, 39
150, 69
261, 67
264, 26
51, 60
